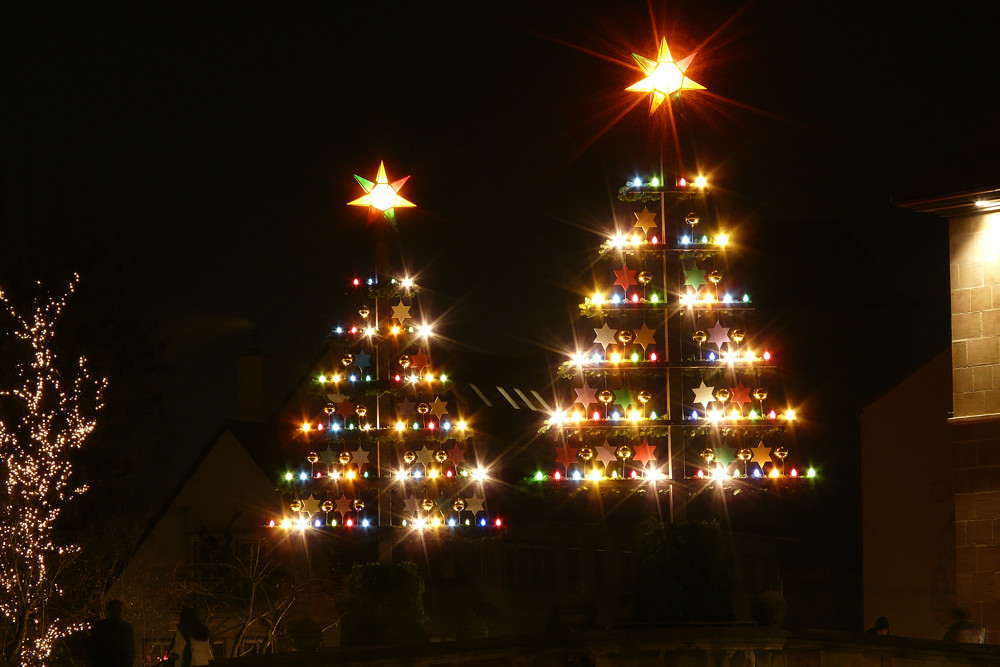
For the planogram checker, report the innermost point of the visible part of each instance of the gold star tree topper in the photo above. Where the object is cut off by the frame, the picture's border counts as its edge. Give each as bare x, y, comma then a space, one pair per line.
381, 197
664, 77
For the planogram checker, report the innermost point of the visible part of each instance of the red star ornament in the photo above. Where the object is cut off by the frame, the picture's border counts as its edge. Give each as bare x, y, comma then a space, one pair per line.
625, 278
644, 454
565, 456
740, 395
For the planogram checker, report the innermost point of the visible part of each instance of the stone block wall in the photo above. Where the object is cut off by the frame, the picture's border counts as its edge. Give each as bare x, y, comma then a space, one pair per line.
975, 314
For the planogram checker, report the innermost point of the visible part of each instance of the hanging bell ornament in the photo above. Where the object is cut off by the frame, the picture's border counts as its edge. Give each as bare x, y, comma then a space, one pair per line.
722, 394
361, 410
700, 336
585, 453
644, 277
458, 505
330, 408
405, 361
643, 396
364, 312
295, 505
358, 504
781, 453
327, 506
344, 458
744, 455
313, 458
708, 454
347, 359
760, 393
409, 457
692, 219
625, 336
606, 396
440, 456
624, 452
714, 277
423, 408
737, 335
427, 504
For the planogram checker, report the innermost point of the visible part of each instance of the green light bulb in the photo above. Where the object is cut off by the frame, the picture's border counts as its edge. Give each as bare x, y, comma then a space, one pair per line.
539, 476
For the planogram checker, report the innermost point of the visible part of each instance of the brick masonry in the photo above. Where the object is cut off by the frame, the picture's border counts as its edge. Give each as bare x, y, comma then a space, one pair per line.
975, 327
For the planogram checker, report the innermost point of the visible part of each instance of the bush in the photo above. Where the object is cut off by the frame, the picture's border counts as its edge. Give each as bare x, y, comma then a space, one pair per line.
685, 570
384, 605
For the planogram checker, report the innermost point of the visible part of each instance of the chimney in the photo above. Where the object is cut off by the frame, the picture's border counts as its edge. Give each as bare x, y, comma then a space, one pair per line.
252, 390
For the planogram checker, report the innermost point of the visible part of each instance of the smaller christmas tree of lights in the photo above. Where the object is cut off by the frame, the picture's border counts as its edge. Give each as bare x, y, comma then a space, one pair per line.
668, 386
384, 442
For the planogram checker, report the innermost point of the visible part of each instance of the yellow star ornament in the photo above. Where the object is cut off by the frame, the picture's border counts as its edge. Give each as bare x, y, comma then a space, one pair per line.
381, 197
664, 77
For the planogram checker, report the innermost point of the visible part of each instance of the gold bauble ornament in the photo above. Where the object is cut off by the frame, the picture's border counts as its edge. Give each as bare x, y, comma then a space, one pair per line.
606, 396
358, 504
327, 506
347, 359
760, 393
585, 453
440, 456
723, 394
427, 504
312, 457
330, 408
625, 336
708, 454
692, 219
458, 505
737, 335
714, 277
364, 312
344, 458
700, 336
644, 277
781, 453
405, 361
295, 505
361, 410
423, 408
744, 455
624, 452
643, 396
409, 457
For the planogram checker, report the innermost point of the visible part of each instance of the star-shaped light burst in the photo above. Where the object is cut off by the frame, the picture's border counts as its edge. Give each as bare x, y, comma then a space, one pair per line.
664, 77
381, 197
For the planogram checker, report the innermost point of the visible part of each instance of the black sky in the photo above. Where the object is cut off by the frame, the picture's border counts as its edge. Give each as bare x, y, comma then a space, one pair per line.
199, 157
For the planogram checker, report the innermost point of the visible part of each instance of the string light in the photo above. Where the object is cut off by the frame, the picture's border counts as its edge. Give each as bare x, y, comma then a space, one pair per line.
45, 417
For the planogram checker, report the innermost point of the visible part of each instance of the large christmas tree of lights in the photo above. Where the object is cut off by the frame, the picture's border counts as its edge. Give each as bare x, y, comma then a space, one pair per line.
385, 442
668, 389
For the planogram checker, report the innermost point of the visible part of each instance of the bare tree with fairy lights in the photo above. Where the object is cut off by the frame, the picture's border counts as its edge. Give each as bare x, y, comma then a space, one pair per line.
47, 410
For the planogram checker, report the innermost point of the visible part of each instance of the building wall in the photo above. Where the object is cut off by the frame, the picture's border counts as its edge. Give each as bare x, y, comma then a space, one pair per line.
907, 505
975, 321
975, 314
227, 492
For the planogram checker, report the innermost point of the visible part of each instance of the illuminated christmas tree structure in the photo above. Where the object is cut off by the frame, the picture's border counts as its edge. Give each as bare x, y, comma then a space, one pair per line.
383, 441
668, 388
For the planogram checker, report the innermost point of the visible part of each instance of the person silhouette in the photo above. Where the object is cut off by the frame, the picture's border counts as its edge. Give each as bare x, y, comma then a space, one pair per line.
191, 644
112, 641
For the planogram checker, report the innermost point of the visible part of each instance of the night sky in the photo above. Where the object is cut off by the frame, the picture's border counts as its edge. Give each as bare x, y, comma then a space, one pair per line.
193, 162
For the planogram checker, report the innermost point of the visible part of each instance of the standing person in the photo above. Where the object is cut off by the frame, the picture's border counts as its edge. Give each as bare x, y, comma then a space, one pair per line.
112, 642
190, 646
